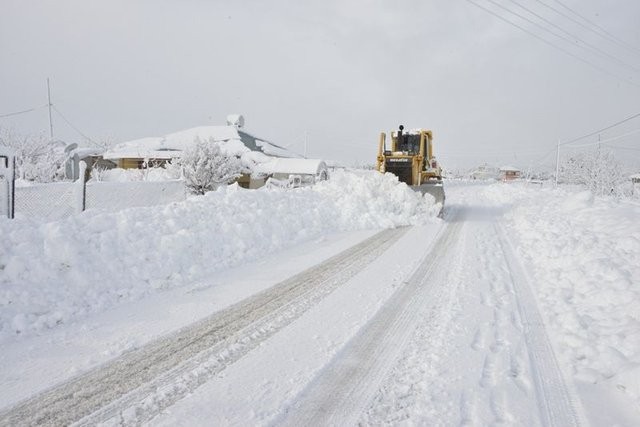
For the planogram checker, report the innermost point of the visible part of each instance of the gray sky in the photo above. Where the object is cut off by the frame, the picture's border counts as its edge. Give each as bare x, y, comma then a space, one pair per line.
338, 71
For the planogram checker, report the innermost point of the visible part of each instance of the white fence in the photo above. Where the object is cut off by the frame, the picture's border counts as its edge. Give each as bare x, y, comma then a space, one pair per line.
7, 180
115, 196
59, 200
51, 201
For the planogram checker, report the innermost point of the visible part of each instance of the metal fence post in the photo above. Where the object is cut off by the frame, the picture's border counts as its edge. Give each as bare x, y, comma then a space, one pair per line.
8, 176
81, 189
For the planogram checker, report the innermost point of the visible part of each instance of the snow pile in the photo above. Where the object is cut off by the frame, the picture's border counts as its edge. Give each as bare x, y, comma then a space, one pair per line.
127, 175
584, 255
60, 271
369, 199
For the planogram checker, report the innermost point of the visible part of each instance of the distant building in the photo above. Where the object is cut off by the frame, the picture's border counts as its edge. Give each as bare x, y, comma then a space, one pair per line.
509, 173
635, 184
485, 172
294, 172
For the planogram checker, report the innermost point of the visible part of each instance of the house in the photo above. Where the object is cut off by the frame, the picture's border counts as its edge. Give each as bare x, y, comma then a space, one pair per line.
509, 173
91, 156
156, 151
294, 172
485, 172
232, 139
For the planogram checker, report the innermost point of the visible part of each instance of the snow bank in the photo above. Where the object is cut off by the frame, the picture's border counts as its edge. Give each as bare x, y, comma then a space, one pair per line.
292, 166
61, 271
584, 255
128, 175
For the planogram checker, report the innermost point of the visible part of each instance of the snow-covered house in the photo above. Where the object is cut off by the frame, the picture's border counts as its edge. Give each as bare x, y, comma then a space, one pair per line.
485, 172
509, 173
295, 172
91, 156
232, 140
156, 151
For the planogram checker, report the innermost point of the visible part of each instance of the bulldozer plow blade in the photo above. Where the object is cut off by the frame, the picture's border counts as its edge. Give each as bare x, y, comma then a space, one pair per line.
436, 189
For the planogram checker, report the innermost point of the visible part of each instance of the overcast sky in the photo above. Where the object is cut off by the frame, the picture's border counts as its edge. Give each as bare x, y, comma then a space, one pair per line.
337, 71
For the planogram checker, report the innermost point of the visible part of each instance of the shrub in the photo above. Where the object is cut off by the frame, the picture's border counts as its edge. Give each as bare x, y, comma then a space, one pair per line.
205, 166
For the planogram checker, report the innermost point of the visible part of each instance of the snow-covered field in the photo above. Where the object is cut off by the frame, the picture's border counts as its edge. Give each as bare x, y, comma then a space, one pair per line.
76, 293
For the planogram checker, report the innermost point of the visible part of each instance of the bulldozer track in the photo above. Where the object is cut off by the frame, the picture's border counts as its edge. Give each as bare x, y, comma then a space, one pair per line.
136, 386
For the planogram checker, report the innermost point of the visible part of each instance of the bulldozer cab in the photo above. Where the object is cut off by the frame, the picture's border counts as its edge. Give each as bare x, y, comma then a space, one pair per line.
409, 144
411, 159
406, 143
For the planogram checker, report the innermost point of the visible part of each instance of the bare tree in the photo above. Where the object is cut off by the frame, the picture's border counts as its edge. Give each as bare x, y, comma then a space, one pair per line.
598, 170
37, 158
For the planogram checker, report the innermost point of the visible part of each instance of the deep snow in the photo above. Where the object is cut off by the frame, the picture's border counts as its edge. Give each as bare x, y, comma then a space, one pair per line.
57, 272
77, 292
583, 254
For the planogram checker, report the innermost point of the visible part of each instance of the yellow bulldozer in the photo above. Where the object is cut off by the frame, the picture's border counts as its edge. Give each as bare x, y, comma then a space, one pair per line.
411, 159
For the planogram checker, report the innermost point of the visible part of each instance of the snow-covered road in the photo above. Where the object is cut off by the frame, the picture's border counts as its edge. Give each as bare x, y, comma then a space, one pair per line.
457, 343
479, 354
432, 324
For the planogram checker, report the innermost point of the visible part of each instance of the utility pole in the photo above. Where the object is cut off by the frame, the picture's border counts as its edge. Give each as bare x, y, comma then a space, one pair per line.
50, 105
557, 161
305, 144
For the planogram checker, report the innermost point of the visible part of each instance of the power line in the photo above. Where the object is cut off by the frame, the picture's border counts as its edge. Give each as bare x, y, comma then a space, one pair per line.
23, 112
509, 151
617, 147
624, 135
600, 130
541, 159
600, 52
603, 33
615, 138
589, 144
586, 44
542, 39
75, 128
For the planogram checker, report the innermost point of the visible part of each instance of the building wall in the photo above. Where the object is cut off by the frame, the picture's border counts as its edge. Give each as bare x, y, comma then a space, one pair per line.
136, 163
510, 175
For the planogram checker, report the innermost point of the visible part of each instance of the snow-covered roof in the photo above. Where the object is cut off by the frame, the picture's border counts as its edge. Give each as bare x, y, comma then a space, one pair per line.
509, 169
485, 167
292, 166
152, 147
84, 152
635, 176
170, 146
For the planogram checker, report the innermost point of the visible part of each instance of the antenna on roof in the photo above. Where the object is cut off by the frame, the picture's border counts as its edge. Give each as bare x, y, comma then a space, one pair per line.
236, 120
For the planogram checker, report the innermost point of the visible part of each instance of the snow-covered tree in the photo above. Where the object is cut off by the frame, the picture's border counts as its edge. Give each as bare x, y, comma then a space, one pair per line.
598, 170
205, 166
37, 158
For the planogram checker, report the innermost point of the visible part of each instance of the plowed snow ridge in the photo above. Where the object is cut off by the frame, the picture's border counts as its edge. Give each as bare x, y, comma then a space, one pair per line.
136, 386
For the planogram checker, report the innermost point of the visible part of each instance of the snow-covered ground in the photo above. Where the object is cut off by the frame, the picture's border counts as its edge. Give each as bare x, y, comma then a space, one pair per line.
77, 293
55, 273
583, 254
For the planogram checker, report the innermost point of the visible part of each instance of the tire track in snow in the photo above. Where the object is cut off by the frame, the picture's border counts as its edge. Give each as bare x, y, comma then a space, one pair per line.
134, 387
342, 390
555, 398
490, 365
